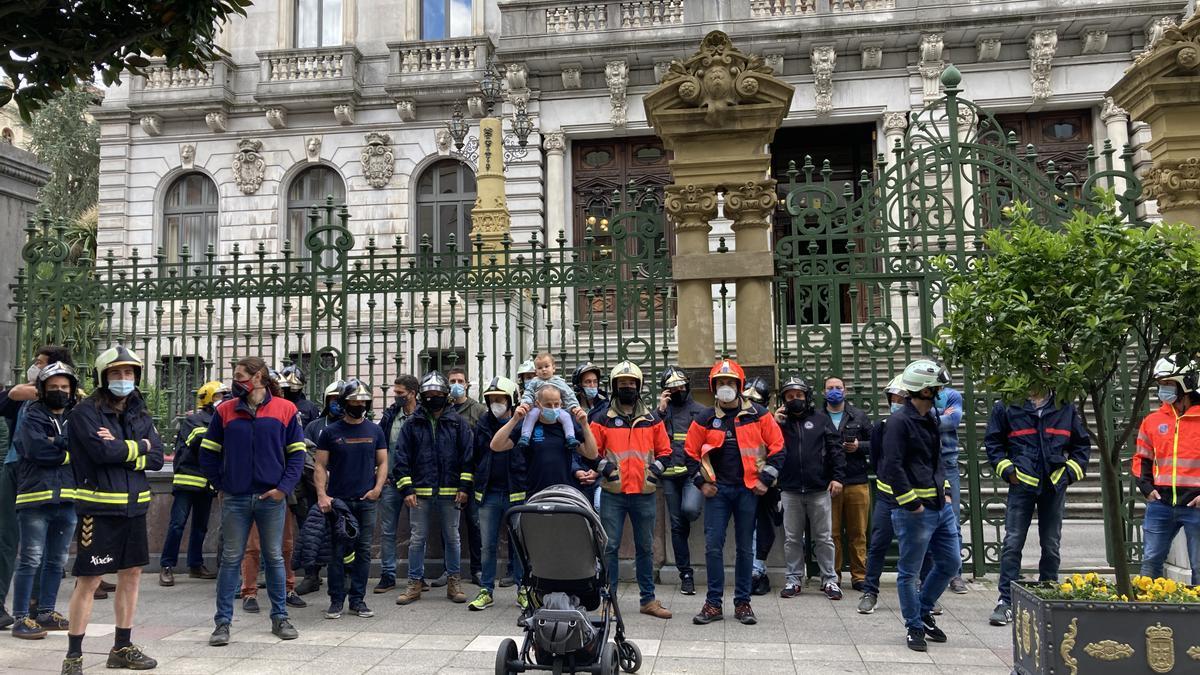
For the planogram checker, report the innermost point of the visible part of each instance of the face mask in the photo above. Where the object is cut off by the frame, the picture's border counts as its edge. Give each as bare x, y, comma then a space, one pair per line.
241, 388
435, 403
401, 401
335, 409
498, 409
896, 407
1167, 393
591, 392
835, 396
356, 411
291, 395
457, 391
32, 372
796, 406
678, 397
121, 388
549, 415
56, 400
627, 395
726, 394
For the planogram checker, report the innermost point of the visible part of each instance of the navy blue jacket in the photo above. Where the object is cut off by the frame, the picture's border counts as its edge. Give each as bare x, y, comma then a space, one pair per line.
910, 462
110, 476
188, 475
314, 543
483, 456
44, 473
430, 466
1047, 449
678, 419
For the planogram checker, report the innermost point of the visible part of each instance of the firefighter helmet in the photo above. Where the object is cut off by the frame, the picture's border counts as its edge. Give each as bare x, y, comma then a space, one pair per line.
56, 369
583, 369
209, 392
434, 383
674, 376
758, 391
624, 369
334, 389
354, 390
292, 378
526, 368
120, 355
923, 373
726, 368
502, 385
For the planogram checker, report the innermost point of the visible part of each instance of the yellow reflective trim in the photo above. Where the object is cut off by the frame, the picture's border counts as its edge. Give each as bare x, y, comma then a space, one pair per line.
1026, 478
467, 476
478, 496
679, 436
133, 450
423, 491
187, 479
295, 447
1057, 475
211, 445
66, 459
34, 496
139, 464
883, 487
1076, 469
404, 480
98, 497
516, 497
906, 497
144, 496
1002, 466
925, 493
348, 559
946, 484
198, 431
675, 471
447, 491
66, 493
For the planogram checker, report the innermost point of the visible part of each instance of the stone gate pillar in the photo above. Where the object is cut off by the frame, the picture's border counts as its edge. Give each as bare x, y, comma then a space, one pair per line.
490, 220
717, 111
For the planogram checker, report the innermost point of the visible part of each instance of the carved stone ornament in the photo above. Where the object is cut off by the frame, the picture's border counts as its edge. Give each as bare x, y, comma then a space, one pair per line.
187, 155
312, 149
1110, 111
661, 66
1160, 648
717, 78
895, 122
1108, 650
1094, 40
987, 49
1174, 184
378, 161
690, 207
443, 140
775, 62
931, 64
249, 166
1158, 28
872, 57
554, 141
572, 77
277, 118
1042, 45
1193, 653
616, 75
344, 114
217, 122
152, 125
406, 108
1164, 36
823, 60
475, 107
516, 75
750, 205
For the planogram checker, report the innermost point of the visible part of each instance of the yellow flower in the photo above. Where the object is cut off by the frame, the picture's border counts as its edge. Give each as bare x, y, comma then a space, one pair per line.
1077, 580
1066, 588
1092, 576
1170, 585
1143, 583
1124, 598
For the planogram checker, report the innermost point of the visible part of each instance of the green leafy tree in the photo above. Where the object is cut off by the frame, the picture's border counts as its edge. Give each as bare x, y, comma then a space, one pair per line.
50, 45
1082, 310
67, 140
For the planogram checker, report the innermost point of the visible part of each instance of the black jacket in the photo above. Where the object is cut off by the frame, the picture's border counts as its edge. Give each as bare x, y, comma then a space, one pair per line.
814, 453
307, 409
188, 476
910, 462
877, 441
856, 424
110, 476
433, 460
483, 456
44, 473
314, 543
678, 419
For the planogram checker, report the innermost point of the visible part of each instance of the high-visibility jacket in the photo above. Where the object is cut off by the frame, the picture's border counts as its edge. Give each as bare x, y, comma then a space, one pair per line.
186, 465
110, 475
760, 443
910, 464
44, 473
1168, 455
634, 443
1043, 447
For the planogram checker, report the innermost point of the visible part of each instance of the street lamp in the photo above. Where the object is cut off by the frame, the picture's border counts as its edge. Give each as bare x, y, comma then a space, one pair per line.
458, 126
522, 125
490, 85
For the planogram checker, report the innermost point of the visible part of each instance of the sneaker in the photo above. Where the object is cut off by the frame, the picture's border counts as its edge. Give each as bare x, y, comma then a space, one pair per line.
866, 604
760, 584
687, 585
52, 620
654, 608
932, 632
454, 589
572, 443
26, 628
361, 610
334, 611
523, 442
744, 613
440, 581
201, 572
523, 599
937, 609
283, 629
708, 614
958, 586
916, 640
387, 582
72, 666
483, 600
832, 590
308, 585
220, 636
131, 658
790, 590
410, 594
425, 586
294, 600
166, 577
250, 604
505, 582
475, 580
1002, 615
6, 619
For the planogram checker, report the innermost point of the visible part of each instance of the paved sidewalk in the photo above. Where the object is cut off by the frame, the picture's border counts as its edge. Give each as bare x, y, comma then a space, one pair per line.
808, 634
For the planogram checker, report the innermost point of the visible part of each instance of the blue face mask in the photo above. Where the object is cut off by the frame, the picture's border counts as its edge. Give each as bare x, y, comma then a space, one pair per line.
335, 409
835, 396
897, 406
121, 388
1167, 393
457, 391
591, 392
549, 415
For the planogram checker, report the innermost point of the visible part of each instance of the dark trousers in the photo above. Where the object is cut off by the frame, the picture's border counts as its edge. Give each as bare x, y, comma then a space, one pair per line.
474, 549
358, 558
739, 503
1022, 501
9, 530
197, 504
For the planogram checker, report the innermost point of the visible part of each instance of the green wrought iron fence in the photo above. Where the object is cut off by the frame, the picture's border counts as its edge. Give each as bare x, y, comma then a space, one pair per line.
350, 306
855, 288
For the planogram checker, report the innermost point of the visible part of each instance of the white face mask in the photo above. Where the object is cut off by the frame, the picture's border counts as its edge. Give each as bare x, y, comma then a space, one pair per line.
726, 394
498, 409
32, 373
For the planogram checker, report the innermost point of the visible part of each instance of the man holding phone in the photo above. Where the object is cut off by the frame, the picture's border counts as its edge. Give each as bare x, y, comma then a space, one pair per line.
851, 508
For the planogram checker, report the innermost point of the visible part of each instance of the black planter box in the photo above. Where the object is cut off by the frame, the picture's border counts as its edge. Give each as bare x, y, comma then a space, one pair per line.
1070, 637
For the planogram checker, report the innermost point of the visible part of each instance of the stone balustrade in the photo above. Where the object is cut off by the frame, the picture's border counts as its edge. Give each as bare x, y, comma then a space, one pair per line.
170, 91
310, 78
439, 57
586, 18
306, 64
162, 77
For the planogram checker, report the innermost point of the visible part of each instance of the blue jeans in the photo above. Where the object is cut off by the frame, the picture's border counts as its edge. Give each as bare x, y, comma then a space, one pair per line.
491, 519
1161, 525
390, 505
448, 517
739, 503
199, 505
45, 539
238, 512
950, 467
360, 562
640, 509
684, 503
932, 530
1022, 500
882, 534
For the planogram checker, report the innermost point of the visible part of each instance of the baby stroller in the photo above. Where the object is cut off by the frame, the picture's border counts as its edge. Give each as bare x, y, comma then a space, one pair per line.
561, 542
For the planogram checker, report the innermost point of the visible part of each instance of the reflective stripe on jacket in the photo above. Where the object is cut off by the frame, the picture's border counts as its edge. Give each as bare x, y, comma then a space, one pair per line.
483, 456
759, 438
1168, 455
1037, 445
186, 465
110, 475
44, 472
633, 443
910, 463
678, 419
433, 457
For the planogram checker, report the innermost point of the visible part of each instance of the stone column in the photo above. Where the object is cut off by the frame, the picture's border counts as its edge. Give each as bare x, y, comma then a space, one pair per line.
489, 217
1116, 122
690, 207
749, 206
555, 143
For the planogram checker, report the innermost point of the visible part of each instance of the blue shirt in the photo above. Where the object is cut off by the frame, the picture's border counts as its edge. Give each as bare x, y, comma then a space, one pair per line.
351, 449
948, 422
836, 417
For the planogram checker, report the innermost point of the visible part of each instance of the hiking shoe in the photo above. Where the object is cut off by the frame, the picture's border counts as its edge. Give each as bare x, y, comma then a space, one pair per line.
361, 610
72, 666
28, 629
832, 590
866, 604
107, 587
932, 632
916, 640
334, 611
790, 590
958, 586
410, 594
130, 657
166, 577
744, 613
439, 582
505, 582
454, 589
201, 572
1002, 615
937, 609
482, 601
654, 608
283, 629
294, 600
6, 619
308, 585
523, 599
52, 620
687, 585
760, 584
250, 604
708, 614
387, 582
220, 636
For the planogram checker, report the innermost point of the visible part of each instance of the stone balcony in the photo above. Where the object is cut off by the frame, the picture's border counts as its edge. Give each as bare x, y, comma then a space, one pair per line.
172, 92
310, 78
437, 70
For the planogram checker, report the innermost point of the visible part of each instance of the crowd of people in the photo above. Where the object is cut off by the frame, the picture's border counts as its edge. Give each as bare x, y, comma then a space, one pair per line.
300, 486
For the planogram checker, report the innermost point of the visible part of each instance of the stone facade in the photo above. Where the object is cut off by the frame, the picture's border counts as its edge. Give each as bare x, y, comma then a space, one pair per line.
20, 178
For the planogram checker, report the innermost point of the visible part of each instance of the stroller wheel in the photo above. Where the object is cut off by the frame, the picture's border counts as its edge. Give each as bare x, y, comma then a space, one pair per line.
506, 654
631, 656
609, 664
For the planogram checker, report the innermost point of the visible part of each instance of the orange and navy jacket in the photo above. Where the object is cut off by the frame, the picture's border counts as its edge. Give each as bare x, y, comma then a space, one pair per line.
759, 438
634, 443
1168, 455
1049, 447
248, 452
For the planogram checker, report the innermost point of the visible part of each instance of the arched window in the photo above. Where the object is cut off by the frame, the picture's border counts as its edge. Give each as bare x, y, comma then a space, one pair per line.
310, 187
445, 196
318, 23
190, 216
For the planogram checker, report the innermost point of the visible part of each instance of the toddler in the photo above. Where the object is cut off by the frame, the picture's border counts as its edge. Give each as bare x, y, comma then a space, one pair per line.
543, 368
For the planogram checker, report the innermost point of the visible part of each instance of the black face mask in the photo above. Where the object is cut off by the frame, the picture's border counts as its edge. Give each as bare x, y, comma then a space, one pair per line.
356, 411
627, 395
56, 400
240, 390
435, 403
292, 395
796, 406
401, 401
678, 397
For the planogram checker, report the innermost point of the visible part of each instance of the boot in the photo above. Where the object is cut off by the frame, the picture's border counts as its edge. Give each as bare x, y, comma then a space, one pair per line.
309, 584
411, 594
454, 589
201, 572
